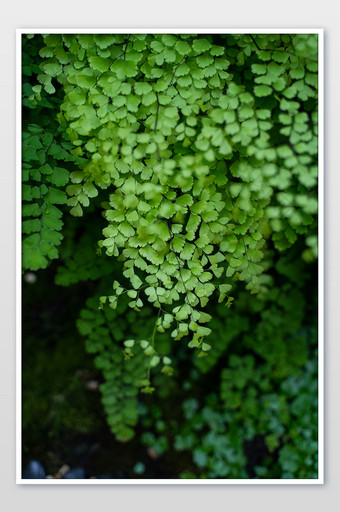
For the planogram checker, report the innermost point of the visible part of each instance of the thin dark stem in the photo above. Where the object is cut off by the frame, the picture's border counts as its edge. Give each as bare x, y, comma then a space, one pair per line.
233, 205
179, 264
255, 43
275, 49
108, 325
175, 69
157, 112
101, 74
155, 127
149, 47
127, 42
40, 198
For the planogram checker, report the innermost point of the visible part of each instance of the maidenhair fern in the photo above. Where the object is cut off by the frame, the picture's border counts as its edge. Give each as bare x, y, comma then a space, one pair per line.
200, 152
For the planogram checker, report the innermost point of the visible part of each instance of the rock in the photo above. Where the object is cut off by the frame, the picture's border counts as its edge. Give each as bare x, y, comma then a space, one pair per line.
30, 277
152, 453
34, 470
92, 385
62, 471
75, 473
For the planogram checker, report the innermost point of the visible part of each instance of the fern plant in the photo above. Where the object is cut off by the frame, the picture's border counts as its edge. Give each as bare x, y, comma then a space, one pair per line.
197, 156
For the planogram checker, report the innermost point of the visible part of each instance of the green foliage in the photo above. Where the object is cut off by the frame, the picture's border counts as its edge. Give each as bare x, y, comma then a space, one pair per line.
46, 160
215, 454
197, 158
125, 360
122, 374
253, 404
42, 218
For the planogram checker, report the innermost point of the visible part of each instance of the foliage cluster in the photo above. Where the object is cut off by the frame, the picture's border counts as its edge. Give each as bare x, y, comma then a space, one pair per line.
178, 174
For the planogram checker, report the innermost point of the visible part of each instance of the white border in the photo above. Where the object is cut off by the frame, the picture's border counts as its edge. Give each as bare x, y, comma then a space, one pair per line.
321, 241
316, 481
